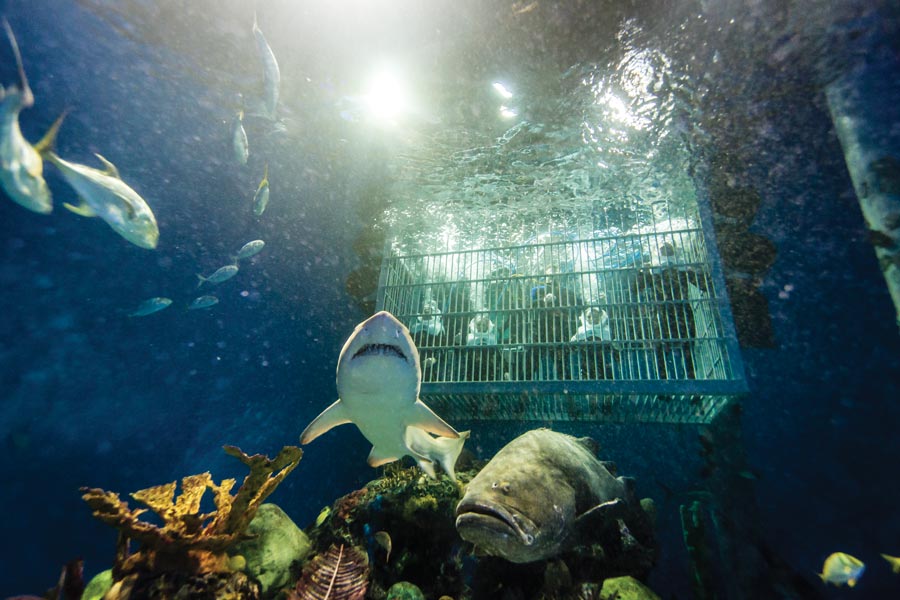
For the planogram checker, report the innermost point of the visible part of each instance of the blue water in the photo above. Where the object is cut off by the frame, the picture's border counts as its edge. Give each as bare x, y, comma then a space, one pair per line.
91, 397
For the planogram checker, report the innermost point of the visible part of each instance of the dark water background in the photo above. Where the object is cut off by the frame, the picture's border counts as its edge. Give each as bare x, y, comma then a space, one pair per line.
90, 397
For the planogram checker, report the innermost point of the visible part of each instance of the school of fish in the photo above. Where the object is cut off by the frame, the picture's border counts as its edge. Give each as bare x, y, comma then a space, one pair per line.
102, 192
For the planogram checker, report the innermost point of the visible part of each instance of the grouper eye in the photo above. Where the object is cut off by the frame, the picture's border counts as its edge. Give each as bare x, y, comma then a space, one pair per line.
529, 539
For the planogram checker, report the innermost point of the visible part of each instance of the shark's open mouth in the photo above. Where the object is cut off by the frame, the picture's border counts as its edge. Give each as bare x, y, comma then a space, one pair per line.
492, 517
380, 350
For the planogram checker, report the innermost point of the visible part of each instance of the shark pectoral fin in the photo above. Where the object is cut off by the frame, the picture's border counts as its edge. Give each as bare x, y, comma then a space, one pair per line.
111, 169
331, 417
82, 209
376, 458
425, 418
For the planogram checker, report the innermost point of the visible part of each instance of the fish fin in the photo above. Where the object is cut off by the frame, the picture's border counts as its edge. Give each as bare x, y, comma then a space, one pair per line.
443, 450
425, 418
265, 175
589, 444
82, 209
376, 458
111, 169
610, 466
27, 96
331, 417
427, 466
255, 22
629, 484
48, 142
201, 279
601, 515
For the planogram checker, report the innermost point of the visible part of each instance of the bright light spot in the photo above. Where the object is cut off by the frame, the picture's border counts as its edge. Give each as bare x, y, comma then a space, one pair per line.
507, 113
501, 89
386, 96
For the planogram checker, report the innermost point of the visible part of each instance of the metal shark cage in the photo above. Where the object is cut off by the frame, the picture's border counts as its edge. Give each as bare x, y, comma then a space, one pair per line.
573, 324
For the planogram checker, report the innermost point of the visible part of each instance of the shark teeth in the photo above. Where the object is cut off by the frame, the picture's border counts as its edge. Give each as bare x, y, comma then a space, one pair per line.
381, 350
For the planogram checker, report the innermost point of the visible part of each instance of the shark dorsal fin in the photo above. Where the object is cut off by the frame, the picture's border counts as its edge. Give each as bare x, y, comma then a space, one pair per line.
110, 169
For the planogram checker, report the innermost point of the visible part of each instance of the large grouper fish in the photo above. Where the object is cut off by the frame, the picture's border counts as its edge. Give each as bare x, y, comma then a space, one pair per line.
536, 496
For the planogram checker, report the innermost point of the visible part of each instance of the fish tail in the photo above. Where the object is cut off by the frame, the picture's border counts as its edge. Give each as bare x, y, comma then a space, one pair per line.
48, 143
202, 280
27, 96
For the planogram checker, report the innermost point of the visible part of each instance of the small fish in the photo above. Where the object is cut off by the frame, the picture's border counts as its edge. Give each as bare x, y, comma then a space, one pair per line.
840, 569
219, 275
21, 165
239, 139
103, 194
383, 539
261, 198
894, 561
271, 72
150, 306
323, 516
249, 249
203, 302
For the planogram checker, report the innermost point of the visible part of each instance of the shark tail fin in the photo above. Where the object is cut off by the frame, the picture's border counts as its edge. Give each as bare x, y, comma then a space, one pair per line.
48, 143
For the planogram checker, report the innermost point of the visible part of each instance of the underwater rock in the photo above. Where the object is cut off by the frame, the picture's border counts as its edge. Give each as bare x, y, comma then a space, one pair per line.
178, 586
404, 590
98, 586
277, 544
626, 588
340, 573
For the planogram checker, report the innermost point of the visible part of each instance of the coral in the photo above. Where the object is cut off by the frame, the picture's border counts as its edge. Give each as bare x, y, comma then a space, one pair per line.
98, 586
341, 573
626, 588
189, 542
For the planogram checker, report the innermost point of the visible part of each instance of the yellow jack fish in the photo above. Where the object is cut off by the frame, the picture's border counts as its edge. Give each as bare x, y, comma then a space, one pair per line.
842, 569
261, 198
21, 166
894, 561
103, 194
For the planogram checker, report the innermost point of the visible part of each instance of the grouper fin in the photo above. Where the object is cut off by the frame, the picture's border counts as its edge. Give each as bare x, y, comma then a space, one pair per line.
601, 515
377, 458
331, 417
82, 209
424, 418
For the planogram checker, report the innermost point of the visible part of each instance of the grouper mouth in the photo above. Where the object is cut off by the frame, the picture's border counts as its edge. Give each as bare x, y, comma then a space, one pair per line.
496, 518
379, 350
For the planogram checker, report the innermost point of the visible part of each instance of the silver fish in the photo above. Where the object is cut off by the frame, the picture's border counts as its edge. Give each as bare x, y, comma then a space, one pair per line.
239, 139
150, 306
261, 198
540, 490
219, 275
203, 302
249, 249
21, 165
103, 194
271, 72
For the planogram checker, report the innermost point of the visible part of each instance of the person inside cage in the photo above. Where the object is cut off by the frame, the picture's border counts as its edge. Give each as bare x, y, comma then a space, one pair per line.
555, 309
664, 293
593, 353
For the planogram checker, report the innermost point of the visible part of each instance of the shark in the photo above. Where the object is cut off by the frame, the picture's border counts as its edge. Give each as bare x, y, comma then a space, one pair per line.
378, 381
